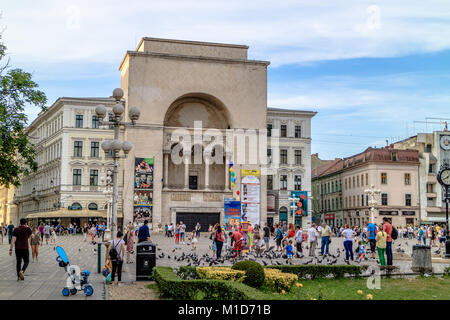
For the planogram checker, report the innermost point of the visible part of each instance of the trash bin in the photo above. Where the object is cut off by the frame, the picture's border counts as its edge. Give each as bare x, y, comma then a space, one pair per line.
421, 259
145, 260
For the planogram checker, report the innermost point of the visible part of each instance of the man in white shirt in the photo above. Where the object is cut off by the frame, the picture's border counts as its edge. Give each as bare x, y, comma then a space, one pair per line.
299, 238
312, 239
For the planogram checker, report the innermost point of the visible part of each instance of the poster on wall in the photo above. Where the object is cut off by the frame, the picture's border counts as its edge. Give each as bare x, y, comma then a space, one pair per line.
143, 190
301, 206
250, 196
232, 213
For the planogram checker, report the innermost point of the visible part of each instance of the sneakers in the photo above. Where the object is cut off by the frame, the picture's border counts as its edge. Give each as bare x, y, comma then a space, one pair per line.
21, 276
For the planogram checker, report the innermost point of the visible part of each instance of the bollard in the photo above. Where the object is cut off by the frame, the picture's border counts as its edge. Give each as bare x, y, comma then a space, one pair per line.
99, 258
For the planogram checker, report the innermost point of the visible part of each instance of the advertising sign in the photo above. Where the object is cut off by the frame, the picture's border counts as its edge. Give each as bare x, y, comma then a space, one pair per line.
143, 190
232, 212
250, 196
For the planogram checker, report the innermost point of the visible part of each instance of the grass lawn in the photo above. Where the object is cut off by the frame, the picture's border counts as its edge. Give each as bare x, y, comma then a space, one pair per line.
419, 288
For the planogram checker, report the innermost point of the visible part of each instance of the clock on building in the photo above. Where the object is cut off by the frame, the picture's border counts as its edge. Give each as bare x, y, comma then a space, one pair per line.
445, 142
444, 176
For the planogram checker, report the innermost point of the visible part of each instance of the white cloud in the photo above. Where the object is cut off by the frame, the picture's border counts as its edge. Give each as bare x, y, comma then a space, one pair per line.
280, 31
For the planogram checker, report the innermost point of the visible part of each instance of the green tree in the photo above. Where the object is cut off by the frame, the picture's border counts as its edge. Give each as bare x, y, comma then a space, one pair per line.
17, 90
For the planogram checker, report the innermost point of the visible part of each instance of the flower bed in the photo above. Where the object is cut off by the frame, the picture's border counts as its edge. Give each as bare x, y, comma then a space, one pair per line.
220, 273
171, 285
278, 281
319, 271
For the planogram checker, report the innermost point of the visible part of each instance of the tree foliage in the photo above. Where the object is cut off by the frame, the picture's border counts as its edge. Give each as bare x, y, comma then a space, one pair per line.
17, 90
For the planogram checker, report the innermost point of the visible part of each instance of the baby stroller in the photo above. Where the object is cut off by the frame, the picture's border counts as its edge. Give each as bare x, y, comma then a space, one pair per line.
76, 280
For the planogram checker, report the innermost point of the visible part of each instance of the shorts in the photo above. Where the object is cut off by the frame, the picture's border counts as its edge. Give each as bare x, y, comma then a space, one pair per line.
442, 239
289, 255
278, 242
266, 239
47, 236
373, 244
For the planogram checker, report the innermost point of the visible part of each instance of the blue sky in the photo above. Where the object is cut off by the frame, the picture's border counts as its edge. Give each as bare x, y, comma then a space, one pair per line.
370, 68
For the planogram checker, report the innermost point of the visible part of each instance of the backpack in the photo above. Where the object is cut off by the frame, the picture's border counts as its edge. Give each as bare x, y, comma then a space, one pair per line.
394, 234
113, 254
125, 238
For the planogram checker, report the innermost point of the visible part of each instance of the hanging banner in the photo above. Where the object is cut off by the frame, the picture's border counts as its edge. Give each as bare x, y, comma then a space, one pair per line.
232, 213
143, 190
250, 196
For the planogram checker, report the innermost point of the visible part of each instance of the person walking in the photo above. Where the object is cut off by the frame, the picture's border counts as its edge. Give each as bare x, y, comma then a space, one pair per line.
116, 250
325, 243
278, 236
177, 234
93, 231
130, 242
381, 245
387, 227
219, 239
47, 233
371, 236
41, 231
182, 232
144, 232
299, 238
53, 237
10, 229
21, 243
35, 243
312, 239
198, 227
266, 231
85, 231
348, 235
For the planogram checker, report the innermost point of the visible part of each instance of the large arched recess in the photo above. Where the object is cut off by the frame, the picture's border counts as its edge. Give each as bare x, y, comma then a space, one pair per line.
198, 107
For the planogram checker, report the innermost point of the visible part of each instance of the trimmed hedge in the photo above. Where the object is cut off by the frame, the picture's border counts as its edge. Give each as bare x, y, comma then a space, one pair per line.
187, 273
319, 271
254, 272
172, 286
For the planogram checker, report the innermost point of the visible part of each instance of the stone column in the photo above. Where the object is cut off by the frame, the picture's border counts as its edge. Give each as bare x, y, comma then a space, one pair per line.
227, 173
206, 173
166, 170
186, 172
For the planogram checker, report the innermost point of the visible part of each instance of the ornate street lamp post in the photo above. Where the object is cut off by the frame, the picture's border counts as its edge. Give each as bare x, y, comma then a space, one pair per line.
116, 145
293, 201
373, 200
108, 195
443, 178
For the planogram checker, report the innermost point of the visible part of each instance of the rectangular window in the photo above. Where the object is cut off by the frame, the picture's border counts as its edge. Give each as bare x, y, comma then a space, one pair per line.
283, 156
270, 182
269, 130
340, 203
93, 178
354, 184
367, 179
430, 188
283, 182
269, 156
94, 122
77, 177
283, 130
111, 119
431, 168
428, 148
298, 131
345, 183
79, 121
383, 178
362, 180
408, 200
78, 148
298, 157
346, 202
384, 199
407, 179
298, 183
95, 149
362, 200
357, 181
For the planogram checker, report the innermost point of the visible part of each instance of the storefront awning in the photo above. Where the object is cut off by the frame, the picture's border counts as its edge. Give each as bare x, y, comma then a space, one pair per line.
65, 213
